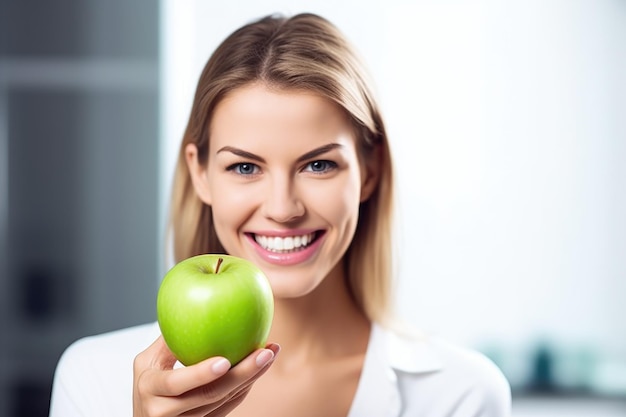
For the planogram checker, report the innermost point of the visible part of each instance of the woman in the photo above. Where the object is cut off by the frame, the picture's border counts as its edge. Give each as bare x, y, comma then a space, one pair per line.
285, 162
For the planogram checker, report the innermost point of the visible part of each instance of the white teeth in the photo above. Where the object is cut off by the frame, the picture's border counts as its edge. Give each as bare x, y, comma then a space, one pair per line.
287, 244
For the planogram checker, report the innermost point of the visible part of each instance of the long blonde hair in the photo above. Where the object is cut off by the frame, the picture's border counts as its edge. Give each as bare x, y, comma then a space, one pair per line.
304, 52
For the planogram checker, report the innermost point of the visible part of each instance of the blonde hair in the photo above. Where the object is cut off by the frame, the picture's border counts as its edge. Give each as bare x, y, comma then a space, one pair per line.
304, 52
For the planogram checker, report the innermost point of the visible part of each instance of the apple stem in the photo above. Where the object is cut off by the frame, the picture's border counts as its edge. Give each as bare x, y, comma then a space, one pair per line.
219, 263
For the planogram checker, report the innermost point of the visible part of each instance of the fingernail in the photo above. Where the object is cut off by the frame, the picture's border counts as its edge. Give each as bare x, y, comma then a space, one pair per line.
264, 357
220, 366
275, 347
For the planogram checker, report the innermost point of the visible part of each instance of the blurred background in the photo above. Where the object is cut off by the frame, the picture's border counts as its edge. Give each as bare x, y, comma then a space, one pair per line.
508, 126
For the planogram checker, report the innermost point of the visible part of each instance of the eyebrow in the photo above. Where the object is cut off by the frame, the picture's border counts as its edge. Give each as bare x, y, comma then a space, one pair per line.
241, 153
319, 151
309, 155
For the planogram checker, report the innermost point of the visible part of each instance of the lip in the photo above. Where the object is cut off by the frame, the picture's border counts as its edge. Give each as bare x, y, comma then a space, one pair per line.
286, 259
284, 233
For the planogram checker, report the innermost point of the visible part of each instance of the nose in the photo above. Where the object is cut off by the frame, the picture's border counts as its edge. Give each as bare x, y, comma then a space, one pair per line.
282, 201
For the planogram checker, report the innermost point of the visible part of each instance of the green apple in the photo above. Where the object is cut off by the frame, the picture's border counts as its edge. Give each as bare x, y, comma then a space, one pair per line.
214, 305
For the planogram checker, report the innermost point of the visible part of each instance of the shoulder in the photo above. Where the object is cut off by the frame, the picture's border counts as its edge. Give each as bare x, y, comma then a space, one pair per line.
98, 370
106, 353
430, 366
118, 343
471, 369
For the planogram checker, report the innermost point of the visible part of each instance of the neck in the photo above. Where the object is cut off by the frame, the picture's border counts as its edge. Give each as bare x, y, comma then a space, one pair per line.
323, 324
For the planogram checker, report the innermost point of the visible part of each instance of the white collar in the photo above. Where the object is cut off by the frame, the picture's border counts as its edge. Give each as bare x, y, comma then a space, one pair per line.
412, 353
378, 393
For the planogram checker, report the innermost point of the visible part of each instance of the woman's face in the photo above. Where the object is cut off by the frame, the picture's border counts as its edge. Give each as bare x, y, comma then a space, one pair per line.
284, 180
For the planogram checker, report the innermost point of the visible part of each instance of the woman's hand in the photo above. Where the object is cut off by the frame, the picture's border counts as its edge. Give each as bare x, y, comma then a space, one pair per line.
207, 388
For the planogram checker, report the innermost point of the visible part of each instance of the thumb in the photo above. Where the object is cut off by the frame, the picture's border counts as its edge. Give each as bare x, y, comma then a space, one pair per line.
158, 355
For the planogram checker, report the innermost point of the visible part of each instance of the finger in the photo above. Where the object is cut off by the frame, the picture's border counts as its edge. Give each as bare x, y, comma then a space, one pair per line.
197, 386
218, 410
250, 368
237, 380
274, 347
232, 403
175, 382
165, 389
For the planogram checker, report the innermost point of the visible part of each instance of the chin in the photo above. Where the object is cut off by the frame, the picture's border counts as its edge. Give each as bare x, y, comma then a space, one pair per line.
288, 286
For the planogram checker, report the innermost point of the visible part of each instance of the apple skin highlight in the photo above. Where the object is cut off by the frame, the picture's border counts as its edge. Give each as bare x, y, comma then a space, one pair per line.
203, 314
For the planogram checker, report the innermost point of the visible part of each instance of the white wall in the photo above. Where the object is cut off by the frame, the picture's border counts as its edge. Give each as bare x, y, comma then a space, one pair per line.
507, 123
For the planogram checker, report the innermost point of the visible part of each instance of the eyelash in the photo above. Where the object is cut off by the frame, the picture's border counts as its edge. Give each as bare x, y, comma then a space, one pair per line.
329, 165
236, 168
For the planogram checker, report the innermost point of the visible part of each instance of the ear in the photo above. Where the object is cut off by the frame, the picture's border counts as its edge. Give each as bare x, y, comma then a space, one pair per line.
370, 174
198, 173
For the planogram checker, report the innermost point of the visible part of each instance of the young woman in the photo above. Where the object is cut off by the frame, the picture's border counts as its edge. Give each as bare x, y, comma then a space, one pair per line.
285, 162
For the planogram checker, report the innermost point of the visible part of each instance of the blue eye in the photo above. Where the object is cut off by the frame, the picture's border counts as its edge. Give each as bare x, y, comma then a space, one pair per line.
320, 166
244, 168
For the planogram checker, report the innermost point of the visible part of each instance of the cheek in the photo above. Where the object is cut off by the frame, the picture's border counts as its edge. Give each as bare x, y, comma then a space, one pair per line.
230, 209
339, 202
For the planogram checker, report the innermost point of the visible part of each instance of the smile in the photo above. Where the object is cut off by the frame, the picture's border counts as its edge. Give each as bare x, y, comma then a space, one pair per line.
287, 244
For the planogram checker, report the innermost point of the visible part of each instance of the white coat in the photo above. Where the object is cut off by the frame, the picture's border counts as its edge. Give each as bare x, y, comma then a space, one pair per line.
401, 377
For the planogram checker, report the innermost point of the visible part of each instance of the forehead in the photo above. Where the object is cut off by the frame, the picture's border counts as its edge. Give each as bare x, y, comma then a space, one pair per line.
256, 111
